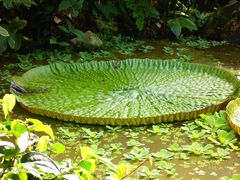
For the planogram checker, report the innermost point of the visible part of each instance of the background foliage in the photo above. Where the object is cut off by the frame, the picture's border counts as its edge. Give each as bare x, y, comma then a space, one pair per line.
39, 23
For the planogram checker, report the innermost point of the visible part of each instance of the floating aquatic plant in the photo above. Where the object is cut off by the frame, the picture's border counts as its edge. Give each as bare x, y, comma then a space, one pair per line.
130, 92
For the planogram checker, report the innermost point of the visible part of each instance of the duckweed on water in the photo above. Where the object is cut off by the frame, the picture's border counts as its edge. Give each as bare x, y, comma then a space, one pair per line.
194, 146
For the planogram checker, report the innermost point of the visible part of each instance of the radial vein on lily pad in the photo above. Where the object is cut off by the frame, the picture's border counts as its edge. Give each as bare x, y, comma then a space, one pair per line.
129, 92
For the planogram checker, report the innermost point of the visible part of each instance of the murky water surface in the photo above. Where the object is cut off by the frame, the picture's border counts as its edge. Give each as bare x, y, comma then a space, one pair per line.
197, 167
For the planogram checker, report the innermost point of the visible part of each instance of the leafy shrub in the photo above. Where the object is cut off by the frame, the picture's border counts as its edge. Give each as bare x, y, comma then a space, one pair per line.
26, 146
141, 10
9, 34
56, 23
178, 23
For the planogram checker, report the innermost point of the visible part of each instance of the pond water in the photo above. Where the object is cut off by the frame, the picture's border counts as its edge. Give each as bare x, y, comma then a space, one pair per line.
117, 143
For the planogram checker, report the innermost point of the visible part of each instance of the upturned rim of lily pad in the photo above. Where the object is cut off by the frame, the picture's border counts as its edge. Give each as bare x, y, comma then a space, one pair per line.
233, 114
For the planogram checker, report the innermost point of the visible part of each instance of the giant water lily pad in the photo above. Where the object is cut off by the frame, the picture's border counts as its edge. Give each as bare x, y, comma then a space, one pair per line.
233, 112
130, 92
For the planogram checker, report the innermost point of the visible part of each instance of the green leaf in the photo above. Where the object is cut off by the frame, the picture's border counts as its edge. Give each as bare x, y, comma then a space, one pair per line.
58, 148
86, 152
11, 41
40, 127
226, 137
175, 27
81, 35
87, 165
3, 32
15, 41
42, 144
236, 177
17, 24
187, 23
64, 4
63, 28
22, 175
3, 43
53, 40
18, 42
8, 103
27, 3
18, 128
8, 4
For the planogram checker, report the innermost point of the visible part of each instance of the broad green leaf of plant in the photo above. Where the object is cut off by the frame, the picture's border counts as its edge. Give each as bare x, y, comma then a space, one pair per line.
17, 24
187, 23
89, 165
58, 148
66, 4
38, 126
3, 32
8, 103
86, 152
178, 23
175, 26
63, 28
27, 3
23, 175
3, 43
18, 127
15, 41
42, 144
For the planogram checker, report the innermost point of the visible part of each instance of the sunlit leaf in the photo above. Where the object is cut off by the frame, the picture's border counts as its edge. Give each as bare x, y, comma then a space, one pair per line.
3, 32
8, 104
58, 148
31, 169
22, 175
42, 144
23, 141
86, 152
18, 127
41, 161
89, 165
40, 127
121, 171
